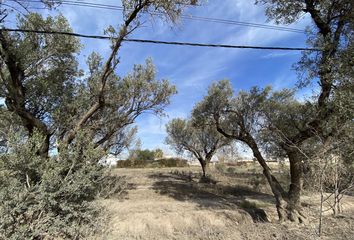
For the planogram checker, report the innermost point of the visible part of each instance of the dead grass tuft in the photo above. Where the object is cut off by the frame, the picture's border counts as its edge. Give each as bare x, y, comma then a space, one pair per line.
174, 204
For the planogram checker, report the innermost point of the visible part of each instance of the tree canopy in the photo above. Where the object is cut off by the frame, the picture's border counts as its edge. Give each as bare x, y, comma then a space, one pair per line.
59, 121
201, 141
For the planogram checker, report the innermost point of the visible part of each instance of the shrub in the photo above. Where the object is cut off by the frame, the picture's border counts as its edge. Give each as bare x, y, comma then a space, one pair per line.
131, 163
231, 170
256, 180
247, 204
220, 167
165, 162
172, 162
49, 198
123, 164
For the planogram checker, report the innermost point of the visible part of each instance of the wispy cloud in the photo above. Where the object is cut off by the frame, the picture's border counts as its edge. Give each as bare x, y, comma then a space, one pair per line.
279, 54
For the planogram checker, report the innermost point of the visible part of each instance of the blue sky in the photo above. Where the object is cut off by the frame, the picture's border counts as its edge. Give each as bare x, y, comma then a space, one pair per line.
193, 69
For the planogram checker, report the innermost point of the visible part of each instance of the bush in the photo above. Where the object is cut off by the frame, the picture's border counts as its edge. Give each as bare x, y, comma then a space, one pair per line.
256, 181
124, 164
49, 198
220, 167
172, 162
129, 163
247, 204
165, 162
231, 170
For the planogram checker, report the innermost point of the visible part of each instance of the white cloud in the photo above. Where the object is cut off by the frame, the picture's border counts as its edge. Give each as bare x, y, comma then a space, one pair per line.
279, 54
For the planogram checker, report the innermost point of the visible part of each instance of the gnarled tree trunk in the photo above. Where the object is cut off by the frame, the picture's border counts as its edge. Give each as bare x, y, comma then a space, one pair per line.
296, 176
204, 166
277, 190
16, 96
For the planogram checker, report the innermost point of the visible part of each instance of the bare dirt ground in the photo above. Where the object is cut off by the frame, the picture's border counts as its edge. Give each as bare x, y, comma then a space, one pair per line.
172, 204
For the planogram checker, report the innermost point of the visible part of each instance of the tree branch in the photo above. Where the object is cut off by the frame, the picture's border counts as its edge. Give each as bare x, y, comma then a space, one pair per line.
107, 71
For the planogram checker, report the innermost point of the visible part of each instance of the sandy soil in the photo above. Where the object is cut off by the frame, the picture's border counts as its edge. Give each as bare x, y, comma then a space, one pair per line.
172, 204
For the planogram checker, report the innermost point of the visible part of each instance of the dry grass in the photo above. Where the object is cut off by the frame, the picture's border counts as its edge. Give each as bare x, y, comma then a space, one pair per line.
173, 204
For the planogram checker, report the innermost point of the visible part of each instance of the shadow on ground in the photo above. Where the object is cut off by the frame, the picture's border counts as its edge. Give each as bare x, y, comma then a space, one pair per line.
117, 187
184, 186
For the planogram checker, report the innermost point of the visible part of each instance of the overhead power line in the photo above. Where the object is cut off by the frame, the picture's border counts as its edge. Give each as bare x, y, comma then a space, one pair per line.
161, 42
183, 16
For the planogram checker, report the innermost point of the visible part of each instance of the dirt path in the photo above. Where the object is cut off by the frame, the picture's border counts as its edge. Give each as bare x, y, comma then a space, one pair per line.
160, 204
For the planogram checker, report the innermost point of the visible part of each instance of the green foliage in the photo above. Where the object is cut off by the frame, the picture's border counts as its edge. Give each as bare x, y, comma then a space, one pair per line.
59, 100
248, 205
158, 153
49, 198
234, 115
139, 155
49, 100
172, 162
126, 98
124, 164
171, 8
198, 140
48, 61
165, 162
284, 117
220, 167
332, 32
256, 180
231, 170
142, 155
18, 7
8, 123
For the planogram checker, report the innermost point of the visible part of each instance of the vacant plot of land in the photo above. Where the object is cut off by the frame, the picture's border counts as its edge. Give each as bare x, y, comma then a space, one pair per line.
172, 204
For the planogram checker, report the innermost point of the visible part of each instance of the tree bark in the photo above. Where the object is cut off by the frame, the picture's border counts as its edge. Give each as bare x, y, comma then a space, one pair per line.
16, 96
277, 190
203, 164
44, 149
296, 177
108, 69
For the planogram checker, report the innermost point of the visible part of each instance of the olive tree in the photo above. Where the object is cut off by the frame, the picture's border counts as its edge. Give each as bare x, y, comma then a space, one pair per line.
263, 120
66, 120
295, 123
201, 141
331, 32
239, 117
42, 85
327, 157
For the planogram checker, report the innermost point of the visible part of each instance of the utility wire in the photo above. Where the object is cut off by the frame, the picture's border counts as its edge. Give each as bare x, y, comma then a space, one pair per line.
183, 16
160, 42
